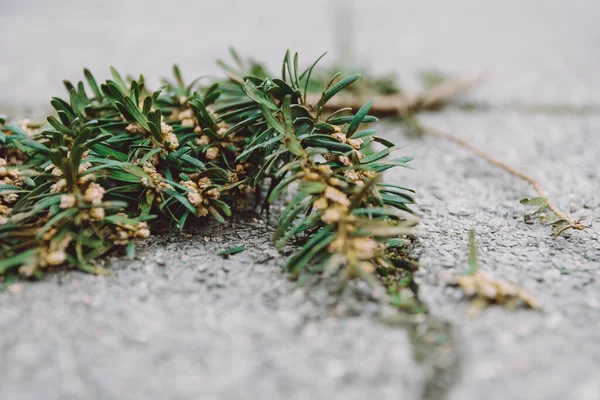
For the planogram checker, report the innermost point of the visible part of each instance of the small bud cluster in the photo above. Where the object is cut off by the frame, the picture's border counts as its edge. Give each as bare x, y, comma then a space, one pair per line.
358, 177
136, 129
158, 183
333, 203
334, 206
170, 141
125, 232
242, 190
187, 118
8, 176
362, 250
52, 254
199, 196
91, 200
212, 152
61, 184
222, 127
93, 195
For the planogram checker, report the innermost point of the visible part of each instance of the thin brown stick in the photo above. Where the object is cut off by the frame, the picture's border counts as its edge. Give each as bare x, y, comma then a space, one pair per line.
494, 161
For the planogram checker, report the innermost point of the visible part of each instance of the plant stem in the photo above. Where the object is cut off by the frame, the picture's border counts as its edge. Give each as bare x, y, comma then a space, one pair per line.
494, 161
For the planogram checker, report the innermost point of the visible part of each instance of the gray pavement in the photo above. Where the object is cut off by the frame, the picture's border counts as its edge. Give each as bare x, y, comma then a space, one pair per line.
554, 354
181, 323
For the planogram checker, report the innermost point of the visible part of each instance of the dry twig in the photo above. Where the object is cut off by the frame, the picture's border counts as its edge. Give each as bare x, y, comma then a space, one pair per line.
560, 215
401, 105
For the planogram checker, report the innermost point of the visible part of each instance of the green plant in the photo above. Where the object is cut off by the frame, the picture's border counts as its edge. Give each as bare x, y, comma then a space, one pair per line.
118, 160
439, 89
485, 289
550, 214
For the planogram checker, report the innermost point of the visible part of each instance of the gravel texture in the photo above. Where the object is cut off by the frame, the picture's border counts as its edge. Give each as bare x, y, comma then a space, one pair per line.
554, 354
180, 322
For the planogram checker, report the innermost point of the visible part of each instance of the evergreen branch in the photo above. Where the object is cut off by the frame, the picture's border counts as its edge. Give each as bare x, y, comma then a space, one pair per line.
110, 167
442, 90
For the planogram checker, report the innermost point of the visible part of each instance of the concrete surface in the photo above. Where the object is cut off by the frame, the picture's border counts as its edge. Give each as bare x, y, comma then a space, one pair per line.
554, 354
199, 327
182, 323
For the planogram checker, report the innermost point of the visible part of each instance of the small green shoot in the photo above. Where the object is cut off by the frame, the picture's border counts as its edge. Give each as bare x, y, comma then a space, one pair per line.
231, 251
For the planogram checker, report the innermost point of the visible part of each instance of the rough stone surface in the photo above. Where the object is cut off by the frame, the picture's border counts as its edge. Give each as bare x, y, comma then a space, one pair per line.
554, 354
179, 322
